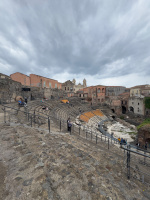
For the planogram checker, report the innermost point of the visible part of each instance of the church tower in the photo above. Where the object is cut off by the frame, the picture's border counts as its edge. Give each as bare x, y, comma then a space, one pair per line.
74, 81
84, 82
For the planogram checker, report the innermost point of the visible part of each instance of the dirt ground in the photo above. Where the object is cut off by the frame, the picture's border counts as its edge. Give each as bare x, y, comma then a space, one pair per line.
3, 173
38, 165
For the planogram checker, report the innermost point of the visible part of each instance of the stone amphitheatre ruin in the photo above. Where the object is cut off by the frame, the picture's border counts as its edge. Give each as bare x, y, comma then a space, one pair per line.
40, 159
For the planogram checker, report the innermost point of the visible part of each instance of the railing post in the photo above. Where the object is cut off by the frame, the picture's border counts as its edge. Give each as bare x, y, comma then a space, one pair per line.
101, 137
96, 138
31, 120
108, 143
60, 125
79, 130
49, 124
105, 138
34, 117
70, 130
144, 157
26, 114
143, 178
91, 135
4, 115
86, 134
128, 162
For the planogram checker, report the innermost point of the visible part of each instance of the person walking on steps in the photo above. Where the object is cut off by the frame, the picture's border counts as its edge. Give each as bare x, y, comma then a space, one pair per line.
69, 124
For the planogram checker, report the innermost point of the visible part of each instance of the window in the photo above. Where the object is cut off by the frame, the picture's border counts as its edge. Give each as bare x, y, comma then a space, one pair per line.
138, 103
50, 85
65, 88
25, 81
68, 88
99, 90
132, 102
55, 85
44, 84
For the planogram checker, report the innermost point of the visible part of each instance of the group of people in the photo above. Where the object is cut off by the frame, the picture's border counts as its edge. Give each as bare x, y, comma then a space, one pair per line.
22, 102
142, 146
122, 141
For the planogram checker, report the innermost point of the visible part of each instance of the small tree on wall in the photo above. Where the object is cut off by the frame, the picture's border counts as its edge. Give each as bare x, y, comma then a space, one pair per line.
147, 102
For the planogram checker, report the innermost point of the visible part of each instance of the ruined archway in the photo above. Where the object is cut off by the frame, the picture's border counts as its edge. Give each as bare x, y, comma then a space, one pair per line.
113, 117
131, 109
113, 110
123, 110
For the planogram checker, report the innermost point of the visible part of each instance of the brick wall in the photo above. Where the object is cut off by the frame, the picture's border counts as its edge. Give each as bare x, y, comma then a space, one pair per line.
39, 81
21, 78
35, 80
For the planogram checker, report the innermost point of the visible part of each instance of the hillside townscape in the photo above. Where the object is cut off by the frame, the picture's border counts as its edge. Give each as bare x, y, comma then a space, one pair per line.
103, 154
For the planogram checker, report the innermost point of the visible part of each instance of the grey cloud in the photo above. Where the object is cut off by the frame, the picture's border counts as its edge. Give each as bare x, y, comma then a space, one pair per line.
109, 38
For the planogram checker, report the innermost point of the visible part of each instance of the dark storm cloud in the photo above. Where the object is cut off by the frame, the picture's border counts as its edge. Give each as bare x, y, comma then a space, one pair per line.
109, 38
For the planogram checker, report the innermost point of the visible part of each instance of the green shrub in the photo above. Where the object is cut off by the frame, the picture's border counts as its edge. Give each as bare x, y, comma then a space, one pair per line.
132, 133
121, 117
145, 122
147, 102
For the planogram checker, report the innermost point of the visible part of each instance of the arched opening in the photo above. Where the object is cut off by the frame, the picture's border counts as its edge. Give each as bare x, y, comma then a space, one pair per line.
131, 109
148, 142
113, 110
113, 116
123, 110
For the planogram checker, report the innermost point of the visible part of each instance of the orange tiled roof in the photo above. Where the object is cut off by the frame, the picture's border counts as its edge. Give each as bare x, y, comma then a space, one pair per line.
86, 116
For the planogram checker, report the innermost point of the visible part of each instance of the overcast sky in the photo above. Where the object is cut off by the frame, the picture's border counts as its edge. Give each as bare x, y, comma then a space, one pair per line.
105, 41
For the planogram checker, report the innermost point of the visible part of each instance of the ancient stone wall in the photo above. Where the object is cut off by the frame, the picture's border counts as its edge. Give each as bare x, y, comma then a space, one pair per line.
144, 135
53, 93
114, 90
136, 104
9, 89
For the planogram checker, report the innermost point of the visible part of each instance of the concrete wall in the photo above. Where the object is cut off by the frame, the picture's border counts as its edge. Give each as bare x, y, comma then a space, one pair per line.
114, 90
135, 92
137, 104
68, 86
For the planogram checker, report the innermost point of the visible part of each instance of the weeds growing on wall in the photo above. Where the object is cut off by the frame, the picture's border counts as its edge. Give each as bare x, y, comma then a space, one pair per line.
145, 122
121, 117
147, 102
